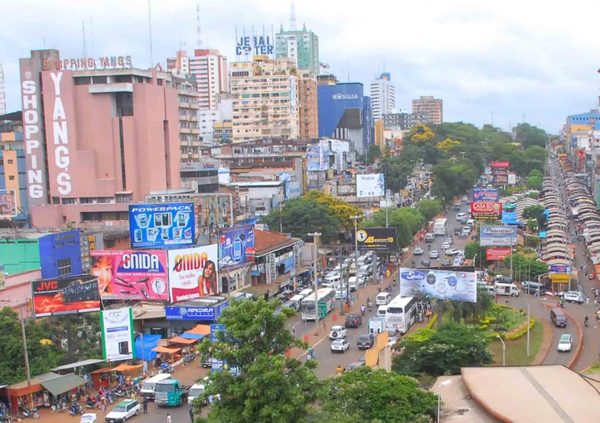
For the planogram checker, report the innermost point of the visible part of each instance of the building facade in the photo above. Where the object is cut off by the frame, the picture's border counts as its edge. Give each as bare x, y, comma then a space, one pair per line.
308, 113
430, 106
189, 132
383, 96
302, 47
109, 134
13, 178
264, 96
403, 121
201, 175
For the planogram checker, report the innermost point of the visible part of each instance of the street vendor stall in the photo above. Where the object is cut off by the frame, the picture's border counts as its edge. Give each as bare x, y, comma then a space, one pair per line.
173, 354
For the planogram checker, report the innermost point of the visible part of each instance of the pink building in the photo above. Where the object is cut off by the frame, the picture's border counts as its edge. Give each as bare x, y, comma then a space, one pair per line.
98, 135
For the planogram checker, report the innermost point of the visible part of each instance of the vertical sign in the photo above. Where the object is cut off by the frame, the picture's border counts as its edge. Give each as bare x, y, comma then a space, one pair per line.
117, 334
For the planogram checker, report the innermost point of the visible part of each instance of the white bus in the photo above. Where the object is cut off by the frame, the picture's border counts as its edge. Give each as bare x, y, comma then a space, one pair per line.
325, 301
401, 314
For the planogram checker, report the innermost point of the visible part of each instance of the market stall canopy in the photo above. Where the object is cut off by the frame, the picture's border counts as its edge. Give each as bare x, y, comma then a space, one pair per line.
126, 368
188, 335
63, 383
182, 340
200, 330
165, 350
81, 363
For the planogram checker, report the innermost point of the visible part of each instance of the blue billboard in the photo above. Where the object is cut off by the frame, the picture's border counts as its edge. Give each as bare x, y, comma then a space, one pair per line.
334, 101
162, 225
60, 254
236, 246
486, 194
195, 313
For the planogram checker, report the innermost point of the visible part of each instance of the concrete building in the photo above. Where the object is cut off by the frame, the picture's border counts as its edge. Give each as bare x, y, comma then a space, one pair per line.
13, 178
2, 92
264, 94
302, 47
189, 133
432, 107
202, 176
403, 121
307, 96
383, 96
109, 134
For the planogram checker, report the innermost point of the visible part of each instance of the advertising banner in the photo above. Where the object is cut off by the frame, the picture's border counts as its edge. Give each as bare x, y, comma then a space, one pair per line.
131, 275
497, 235
500, 178
486, 210
195, 313
117, 334
370, 185
486, 194
560, 277
161, 225
236, 246
380, 239
69, 295
193, 272
317, 157
442, 284
497, 253
559, 268
8, 203
500, 165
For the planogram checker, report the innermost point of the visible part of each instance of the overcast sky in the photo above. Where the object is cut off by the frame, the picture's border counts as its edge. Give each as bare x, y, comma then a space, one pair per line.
503, 59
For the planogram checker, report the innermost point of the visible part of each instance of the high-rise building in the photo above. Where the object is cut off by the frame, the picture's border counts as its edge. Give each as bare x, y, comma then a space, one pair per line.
383, 96
432, 107
13, 180
264, 96
189, 133
403, 120
307, 96
2, 92
99, 134
302, 47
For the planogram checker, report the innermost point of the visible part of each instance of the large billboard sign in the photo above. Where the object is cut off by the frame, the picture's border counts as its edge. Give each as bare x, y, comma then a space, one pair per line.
559, 268
497, 235
8, 203
380, 239
441, 284
497, 253
69, 295
131, 275
254, 45
117, 334
193, 272
486, 210
370, 185
500, 178
486, 194
236, 246
317, 157
161, 225
195, 313
500, 165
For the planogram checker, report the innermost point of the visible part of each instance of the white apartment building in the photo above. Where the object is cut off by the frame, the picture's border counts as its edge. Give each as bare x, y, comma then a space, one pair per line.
383, 96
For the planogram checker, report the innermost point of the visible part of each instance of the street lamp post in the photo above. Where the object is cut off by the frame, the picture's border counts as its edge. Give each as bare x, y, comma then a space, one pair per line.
315, 236
503, 350
355, 218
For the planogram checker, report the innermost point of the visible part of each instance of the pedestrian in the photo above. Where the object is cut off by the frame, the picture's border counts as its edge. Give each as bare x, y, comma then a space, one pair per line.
168, 418
294, 331
587, 300
192, 414
145, 405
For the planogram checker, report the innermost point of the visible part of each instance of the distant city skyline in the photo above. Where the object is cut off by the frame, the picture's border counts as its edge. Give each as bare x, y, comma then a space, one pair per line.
490, 63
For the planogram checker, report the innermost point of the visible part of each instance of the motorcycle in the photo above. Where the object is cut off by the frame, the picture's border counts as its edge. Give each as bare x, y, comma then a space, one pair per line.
310, 355
362, 310
30, 412
75, 409
586, 322
165, 367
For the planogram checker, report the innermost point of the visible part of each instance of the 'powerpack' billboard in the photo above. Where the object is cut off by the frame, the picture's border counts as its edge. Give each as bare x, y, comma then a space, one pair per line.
193, 272
497, 235
441, 284
380, 239
131, 275
236, 246
161, 225
69, 295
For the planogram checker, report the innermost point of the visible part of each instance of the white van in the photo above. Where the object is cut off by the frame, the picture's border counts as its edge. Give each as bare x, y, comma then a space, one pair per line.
305, 292
196, 390
382, 311
331, 279
364, 270
383, 298
149, 385
508, 289
294, 302
362, 260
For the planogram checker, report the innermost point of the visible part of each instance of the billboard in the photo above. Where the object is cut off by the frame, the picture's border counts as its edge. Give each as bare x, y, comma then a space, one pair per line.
317, 157
131, 275
500, 165
8, 203
69, 295
486, 210
380, 239
236, 246
195, 313
193, 272
116, 326
497, 235
497, 253
161, 225
559, 268
60, 254
370, 185
486, 194
441, 284
500, 178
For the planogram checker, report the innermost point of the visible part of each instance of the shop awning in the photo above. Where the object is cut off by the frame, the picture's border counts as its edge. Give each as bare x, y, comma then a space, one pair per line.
182, 340
200, 330
165, 350
188, 335
81, 363
63, 384
126, 368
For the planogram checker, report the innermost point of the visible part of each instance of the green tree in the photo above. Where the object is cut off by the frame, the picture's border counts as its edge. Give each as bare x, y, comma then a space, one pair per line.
534, 182
442, 351
80, 335
366, 395
430, 208
268, 386
526, 266
536, 212
338, 208
452, 178
374, 153
408, 222
529, 135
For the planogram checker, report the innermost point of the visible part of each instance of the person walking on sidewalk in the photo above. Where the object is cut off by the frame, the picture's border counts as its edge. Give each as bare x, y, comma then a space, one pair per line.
168, 418
145, 405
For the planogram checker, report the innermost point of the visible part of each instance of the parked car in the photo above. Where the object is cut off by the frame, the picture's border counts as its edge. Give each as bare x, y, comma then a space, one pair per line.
123, 411
531, 287
340, 345
425, 263
434, 254
337, 332
457, 230
365, 341
353, 321
418, 251
446, 262
564, 343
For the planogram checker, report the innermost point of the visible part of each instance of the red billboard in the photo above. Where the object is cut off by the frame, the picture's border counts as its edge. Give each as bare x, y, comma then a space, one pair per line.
500, 165
68, 295
486, 210
497, 253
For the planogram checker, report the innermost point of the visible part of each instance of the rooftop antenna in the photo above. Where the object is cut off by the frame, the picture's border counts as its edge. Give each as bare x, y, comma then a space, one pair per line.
83, 47
198, 29
292, 17
150, 33
92, 36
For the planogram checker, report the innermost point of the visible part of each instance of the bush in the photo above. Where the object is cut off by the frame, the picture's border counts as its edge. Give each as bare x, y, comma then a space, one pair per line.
520, 331
483, 327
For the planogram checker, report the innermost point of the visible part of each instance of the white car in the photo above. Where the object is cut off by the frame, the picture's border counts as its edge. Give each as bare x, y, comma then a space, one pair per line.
445, 245
88, 418
123, 411
340, 345
418, 251
564, 343
451, 252
433, 254
337, 332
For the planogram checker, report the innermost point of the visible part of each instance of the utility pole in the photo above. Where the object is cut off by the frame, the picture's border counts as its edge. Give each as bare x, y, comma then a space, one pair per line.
25, 354
315, 236
528, 326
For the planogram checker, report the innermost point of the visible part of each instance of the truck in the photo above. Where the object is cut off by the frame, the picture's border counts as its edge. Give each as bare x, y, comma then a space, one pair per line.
170, 393
440, 227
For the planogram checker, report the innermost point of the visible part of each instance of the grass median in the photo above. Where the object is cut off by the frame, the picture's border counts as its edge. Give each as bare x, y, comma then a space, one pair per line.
516, 351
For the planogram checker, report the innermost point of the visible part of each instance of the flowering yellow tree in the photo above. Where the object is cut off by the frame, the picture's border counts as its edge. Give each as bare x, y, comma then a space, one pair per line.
338, 208
420, 134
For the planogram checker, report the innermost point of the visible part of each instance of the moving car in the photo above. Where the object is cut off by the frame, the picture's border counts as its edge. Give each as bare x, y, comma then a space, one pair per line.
445, 245
429, 237
340, 345
574, 297
418, 251
460, 216
337, 332
365, 341
451, 252
353, 321
445, 262
434, 254
123, 411
564, 343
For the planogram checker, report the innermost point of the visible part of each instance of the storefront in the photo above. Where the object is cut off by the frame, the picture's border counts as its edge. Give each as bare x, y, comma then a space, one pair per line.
184, 315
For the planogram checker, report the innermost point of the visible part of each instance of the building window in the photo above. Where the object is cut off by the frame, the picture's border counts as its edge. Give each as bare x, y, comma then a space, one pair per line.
11, 177
64, 267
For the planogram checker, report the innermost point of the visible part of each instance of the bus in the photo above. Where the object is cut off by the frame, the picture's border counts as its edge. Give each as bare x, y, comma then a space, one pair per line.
401, 314
326, 301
